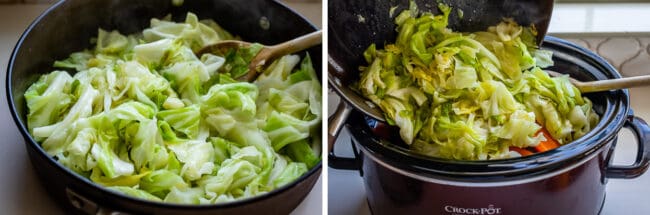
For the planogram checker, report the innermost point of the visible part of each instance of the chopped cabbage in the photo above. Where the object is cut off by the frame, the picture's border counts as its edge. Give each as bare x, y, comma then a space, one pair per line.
469, 96
144, 116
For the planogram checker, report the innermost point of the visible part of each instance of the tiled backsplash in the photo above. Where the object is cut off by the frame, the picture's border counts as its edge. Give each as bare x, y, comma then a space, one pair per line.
630, 55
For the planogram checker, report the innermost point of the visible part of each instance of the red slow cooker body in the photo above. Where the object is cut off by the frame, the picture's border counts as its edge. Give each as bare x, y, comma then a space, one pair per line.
568, 180
579, 190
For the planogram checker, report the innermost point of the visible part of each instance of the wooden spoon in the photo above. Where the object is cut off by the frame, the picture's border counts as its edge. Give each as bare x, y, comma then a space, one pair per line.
267, 53
605, 85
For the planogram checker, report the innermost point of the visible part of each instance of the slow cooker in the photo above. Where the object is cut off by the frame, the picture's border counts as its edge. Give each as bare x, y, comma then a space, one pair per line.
568, 180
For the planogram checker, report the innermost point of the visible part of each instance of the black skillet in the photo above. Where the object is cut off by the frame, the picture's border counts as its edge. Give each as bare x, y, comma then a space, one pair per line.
68, 26
354, 25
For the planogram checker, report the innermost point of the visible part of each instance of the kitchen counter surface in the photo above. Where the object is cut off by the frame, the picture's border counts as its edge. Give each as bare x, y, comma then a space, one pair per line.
20, 190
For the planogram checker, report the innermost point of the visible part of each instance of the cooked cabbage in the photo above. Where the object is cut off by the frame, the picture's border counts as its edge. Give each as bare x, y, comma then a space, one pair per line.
470, 96
144, 116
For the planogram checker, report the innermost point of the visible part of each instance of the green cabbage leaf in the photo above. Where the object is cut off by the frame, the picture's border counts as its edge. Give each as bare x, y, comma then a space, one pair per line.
144, 116
468, 96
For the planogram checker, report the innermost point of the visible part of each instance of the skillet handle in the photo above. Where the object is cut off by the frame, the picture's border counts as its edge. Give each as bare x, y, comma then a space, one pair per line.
87, 206
642, 133
336, 123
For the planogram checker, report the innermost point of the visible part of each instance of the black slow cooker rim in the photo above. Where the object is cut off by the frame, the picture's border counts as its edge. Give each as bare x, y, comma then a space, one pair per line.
33, 144
613, 118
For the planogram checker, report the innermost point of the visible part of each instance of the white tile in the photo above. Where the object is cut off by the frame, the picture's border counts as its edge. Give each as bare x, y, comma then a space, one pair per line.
593, 42
579, 42
619, 49
639, 65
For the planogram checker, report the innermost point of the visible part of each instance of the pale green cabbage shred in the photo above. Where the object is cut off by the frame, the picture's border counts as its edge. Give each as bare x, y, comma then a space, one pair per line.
144, 116
470, 96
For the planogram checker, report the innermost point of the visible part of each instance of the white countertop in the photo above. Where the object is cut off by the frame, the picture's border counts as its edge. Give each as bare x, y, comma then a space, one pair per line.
20, 191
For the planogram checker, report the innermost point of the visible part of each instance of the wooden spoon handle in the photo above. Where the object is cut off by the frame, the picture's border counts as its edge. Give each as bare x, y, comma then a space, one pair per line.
297, 44
613, 84
609, 84
271, 52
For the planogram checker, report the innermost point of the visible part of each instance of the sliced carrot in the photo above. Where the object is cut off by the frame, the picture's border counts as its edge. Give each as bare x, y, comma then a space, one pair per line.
522, 152
548, 144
